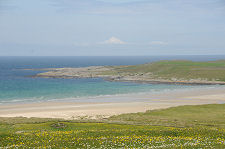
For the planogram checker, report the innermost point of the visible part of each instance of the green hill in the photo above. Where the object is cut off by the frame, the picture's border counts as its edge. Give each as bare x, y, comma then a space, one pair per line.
177, 69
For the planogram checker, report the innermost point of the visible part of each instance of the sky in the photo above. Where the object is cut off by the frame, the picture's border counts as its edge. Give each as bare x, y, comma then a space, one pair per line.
112, 27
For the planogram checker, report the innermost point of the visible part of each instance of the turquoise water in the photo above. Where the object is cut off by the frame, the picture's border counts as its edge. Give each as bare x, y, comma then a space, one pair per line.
16, 87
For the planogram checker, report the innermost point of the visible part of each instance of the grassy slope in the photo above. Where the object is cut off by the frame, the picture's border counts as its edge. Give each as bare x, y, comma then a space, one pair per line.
178, 69
194, 127
182, 116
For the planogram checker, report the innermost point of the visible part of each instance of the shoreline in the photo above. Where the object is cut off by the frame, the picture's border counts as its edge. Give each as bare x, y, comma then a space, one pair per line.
137, 103
113, 98
166, 82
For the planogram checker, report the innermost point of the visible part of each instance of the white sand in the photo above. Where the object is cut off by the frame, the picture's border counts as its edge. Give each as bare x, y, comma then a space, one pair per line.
140, 103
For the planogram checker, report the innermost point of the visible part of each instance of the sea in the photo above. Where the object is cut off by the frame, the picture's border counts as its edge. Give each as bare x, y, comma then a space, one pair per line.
17, 87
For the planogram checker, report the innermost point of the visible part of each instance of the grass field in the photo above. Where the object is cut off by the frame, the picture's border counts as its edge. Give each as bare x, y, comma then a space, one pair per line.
182, 116
180, 127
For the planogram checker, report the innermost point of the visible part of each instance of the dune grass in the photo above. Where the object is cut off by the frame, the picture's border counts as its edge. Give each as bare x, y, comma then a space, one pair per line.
179, 127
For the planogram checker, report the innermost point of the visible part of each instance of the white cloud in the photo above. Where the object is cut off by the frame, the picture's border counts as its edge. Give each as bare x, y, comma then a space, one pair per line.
158, 43
110, 41
113, 40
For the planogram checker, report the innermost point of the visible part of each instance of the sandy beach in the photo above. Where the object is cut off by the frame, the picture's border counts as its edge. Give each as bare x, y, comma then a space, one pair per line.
136, 103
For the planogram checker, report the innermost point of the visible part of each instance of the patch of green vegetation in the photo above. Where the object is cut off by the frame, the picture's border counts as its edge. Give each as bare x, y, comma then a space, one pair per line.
99, 135
206, 131
182, 116
22, 120
180, 69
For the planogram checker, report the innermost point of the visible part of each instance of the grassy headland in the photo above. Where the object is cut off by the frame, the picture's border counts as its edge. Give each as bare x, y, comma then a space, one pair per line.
180, 127
180, 71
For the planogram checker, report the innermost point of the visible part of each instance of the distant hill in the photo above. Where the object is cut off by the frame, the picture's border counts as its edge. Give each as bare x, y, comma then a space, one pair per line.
180, 69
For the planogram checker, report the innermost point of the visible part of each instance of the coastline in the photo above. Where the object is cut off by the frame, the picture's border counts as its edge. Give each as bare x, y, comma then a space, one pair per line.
139, 103
161, 72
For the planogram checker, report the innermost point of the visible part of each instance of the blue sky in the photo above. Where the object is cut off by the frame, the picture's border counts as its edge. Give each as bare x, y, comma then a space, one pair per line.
111, 27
